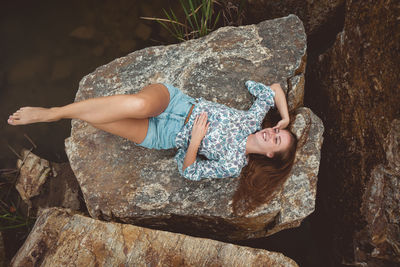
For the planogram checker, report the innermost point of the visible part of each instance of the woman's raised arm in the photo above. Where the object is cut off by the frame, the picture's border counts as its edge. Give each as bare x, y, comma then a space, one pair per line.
281, 105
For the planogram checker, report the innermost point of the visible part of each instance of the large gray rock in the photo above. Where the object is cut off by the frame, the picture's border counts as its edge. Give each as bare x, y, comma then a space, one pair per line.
123, 182
61, 238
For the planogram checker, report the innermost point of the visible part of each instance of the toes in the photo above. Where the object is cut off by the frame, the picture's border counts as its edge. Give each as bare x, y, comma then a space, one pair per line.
10, 121
14, 120
20, 110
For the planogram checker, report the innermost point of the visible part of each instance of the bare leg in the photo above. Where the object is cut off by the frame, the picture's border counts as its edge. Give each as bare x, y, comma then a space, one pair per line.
149, 102
131, 129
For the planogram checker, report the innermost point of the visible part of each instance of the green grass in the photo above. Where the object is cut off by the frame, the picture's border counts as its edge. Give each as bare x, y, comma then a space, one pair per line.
14, 221
199, 20
10, 216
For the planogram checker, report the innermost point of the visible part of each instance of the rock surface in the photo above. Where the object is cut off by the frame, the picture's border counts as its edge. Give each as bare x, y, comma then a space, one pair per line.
123, 182
43, 184
356, 92
34, 172
61, 238
380, 239
314, 14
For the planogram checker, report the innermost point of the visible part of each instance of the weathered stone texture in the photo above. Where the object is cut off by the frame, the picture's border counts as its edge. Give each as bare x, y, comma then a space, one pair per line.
355, 89
61, 238
43, 184
380, 239
121, 181
33, 174
314, 14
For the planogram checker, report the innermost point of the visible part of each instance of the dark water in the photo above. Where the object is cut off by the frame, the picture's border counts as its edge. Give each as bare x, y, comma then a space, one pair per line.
41, 62
48, 46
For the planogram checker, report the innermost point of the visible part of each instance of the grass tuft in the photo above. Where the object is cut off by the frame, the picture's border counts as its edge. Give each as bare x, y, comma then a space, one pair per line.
200, 19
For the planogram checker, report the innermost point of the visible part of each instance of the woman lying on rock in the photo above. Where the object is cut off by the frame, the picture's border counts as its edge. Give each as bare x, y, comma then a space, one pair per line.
160, 116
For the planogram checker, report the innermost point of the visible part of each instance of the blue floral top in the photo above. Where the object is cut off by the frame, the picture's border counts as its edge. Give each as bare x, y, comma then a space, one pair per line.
224, 145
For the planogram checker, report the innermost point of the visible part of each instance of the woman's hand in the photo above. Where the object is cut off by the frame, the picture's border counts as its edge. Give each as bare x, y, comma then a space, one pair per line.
200, 127
199, 130
282, 124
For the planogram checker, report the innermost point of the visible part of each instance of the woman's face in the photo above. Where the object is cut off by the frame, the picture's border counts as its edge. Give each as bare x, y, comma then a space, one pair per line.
271, 141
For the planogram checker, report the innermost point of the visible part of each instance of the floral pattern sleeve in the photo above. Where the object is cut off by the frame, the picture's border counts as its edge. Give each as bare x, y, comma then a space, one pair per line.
261, 91
265, 98
222, 152
207, 168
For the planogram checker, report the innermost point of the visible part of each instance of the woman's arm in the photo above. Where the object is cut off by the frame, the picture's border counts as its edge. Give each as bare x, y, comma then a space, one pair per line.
199, 130
281, 105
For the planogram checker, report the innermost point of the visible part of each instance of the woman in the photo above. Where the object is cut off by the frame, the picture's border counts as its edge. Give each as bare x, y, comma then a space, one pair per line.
160, 116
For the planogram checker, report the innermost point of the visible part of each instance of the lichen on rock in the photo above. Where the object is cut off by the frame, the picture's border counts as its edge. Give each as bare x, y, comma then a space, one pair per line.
124, 182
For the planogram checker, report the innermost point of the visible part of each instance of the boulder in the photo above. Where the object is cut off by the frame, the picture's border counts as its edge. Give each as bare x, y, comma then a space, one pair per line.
131, 184
379, 241
314, 14
62, 238
32, 175
43, 184
354, 87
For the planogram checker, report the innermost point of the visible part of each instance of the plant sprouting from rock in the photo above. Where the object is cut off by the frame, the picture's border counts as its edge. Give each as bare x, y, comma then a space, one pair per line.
200, 19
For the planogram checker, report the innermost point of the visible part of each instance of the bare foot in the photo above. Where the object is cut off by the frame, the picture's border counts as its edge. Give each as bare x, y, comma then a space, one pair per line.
28, 115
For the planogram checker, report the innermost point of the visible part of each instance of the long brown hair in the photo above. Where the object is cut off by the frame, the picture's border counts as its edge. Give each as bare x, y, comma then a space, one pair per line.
262, 178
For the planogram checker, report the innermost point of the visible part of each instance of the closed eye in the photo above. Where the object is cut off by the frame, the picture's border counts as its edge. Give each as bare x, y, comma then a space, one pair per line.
278, 140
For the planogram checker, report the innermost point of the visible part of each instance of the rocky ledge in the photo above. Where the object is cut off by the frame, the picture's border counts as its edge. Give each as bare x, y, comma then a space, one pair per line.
42, 184
58, 233
126, 183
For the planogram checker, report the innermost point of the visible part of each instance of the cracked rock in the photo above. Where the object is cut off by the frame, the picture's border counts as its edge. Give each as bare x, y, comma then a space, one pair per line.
131, 184
63, 238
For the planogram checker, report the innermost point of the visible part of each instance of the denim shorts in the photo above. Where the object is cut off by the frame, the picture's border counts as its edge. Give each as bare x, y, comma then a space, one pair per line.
164, 127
